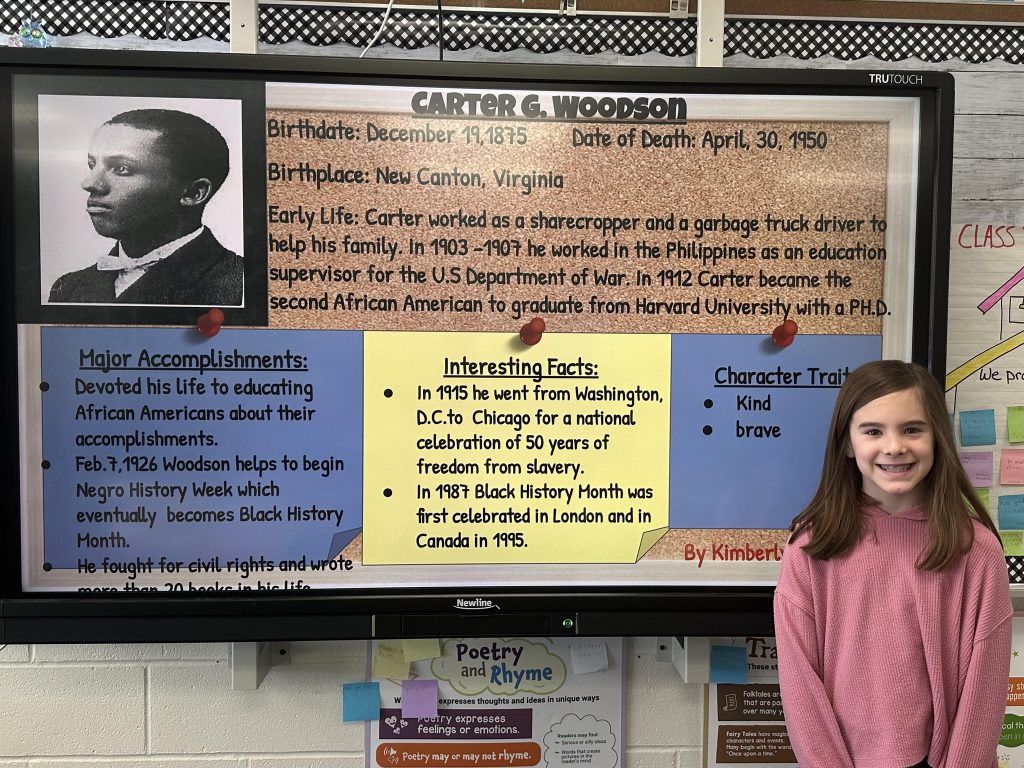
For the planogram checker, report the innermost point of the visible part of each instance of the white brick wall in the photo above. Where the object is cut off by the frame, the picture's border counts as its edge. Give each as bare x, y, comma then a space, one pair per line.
296, 709
138, 652
14, 653
171, 706
72, 709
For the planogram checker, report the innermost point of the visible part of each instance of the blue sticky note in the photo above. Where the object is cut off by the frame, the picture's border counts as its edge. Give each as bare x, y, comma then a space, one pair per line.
728, 664
1011, 512
419, 698
360, 701
978, 427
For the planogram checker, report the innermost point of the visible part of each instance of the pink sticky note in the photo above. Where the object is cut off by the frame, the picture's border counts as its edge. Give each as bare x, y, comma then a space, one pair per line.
419, 698
978, 465
1011, 466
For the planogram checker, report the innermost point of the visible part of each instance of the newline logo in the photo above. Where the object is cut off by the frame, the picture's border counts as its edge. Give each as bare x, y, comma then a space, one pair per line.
896, 79
476, 604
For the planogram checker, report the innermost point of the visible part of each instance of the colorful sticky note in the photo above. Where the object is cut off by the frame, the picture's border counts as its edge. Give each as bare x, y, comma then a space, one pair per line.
1011, 512
729, 664
978, 427
1013, 543
1015, 423
419, 698
360, 701
389, 660
1011, 466
978, 465
415, 650
588, 656
983, 495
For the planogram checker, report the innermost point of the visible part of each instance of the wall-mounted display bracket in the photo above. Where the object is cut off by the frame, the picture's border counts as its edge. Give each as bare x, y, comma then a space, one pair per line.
691, 656
250, 663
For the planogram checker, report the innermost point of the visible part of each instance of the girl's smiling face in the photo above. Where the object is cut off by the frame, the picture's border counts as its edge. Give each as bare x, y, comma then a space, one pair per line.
893, 444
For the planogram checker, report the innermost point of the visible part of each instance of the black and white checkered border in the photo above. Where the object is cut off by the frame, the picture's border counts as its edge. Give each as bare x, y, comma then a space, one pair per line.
354, 26
630, 36
889, 41
501, 31
625, 35
494, 31
102, 18
187, 21
1015, 565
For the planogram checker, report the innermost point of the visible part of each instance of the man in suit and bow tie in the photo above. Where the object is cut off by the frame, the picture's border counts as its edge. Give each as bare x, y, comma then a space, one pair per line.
151, 174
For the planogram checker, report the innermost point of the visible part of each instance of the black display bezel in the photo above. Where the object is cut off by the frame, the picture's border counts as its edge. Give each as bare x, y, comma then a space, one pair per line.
360, 613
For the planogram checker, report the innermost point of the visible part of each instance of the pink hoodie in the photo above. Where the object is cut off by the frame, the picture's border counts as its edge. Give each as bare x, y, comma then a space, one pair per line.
880, 663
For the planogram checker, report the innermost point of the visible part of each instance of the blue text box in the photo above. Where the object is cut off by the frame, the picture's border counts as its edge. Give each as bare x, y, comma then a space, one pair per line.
160, 442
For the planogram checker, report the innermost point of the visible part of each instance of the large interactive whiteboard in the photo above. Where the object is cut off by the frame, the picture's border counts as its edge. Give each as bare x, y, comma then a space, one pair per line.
379, 415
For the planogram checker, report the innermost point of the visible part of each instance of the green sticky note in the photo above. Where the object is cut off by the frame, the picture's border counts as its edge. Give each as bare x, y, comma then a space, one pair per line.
1013, 543
983, 493
1015, 423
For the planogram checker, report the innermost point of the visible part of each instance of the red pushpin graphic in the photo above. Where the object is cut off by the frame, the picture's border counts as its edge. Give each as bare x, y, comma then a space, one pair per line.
530, 333
784, 334
210, 323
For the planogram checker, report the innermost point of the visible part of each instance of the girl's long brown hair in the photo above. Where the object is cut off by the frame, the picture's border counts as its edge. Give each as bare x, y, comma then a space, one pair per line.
833, 516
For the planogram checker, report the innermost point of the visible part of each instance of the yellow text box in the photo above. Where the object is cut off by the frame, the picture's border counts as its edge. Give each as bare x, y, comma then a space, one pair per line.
479, 449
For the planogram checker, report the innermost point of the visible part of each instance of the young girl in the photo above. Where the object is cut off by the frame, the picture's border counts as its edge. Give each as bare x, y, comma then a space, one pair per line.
892, 614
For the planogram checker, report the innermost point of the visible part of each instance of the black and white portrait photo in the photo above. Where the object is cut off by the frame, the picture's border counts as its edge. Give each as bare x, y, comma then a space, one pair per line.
140, 201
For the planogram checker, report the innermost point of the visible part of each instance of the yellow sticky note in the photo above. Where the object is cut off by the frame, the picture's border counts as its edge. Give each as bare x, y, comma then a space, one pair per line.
415, 650
1015, 423
1013, 543
492, 451
389, 661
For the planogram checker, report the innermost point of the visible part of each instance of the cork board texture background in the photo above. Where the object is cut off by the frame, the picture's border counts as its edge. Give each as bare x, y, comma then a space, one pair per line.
724, 227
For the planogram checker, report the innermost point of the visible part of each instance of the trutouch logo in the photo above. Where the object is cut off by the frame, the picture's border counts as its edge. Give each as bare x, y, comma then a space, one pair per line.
895, 78
476, 604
